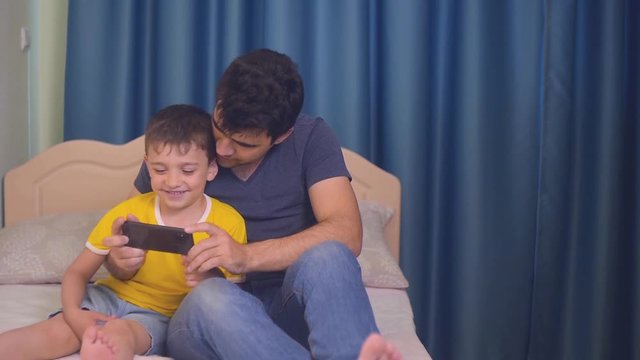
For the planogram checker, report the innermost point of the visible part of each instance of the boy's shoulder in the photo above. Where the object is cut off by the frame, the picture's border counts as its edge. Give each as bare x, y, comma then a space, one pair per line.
229, 219
220, 208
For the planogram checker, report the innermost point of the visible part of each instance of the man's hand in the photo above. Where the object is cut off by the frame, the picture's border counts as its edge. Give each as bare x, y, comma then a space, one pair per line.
123, 261
217, 250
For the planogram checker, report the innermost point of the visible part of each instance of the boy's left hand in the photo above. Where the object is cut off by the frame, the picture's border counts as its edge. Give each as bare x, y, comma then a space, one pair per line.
79, 320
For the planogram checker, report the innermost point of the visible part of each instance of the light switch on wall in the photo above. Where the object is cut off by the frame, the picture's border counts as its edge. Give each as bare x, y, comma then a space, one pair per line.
25, 41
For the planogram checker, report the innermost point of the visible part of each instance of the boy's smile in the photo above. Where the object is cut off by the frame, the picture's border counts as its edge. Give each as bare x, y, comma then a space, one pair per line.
178, 176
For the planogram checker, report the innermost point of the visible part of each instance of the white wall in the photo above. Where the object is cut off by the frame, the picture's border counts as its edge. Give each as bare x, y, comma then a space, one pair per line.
14, 113
47, 56
31, 81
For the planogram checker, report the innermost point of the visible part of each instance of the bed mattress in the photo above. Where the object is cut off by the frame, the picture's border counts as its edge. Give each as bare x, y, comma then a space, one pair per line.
26, 304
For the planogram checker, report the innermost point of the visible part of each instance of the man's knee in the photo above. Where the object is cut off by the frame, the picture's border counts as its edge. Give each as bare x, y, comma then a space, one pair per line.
326, 253
327, 260
210, 295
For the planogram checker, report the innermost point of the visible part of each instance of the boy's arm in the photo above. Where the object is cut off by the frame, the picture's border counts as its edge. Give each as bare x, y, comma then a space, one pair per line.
74, 284
123, 261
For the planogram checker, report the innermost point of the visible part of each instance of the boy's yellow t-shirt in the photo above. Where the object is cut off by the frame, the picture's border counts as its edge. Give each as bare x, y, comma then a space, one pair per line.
160, 283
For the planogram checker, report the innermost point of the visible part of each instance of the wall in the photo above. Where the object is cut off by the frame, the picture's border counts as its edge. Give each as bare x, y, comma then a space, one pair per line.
48, 23
31, 81
14, 119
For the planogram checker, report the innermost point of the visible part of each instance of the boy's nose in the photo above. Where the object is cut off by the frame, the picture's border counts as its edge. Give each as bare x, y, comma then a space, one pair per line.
173, 178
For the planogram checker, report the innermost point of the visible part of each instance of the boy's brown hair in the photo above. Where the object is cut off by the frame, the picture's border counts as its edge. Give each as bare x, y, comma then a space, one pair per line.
180, 126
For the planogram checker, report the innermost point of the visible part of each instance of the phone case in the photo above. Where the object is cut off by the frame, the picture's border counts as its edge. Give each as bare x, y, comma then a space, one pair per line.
157, 237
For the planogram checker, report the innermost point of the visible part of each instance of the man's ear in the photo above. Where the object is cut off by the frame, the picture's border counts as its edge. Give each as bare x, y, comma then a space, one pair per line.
212, 171
217, 112
283, 137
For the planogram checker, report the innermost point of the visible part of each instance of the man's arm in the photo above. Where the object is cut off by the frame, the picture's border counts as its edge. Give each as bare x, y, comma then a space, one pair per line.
336, 210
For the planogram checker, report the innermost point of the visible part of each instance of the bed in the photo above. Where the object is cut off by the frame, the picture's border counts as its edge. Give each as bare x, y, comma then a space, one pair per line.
52, 201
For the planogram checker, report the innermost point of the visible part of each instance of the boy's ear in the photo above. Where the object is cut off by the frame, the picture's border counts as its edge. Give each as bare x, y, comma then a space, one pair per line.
212, 171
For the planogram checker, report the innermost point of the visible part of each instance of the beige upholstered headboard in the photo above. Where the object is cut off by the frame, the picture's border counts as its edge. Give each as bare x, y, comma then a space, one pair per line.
82, 175
72, 176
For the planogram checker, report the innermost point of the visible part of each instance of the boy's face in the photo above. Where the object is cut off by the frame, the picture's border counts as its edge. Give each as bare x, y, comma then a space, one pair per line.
179, 177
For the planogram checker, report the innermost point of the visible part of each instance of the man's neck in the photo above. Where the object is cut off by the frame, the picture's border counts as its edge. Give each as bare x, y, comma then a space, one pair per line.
244, 172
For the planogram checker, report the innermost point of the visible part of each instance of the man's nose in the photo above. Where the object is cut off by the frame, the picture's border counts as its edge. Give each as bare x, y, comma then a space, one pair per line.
224, 148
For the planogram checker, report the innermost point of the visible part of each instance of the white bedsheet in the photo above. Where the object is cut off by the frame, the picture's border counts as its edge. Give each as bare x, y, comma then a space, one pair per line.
394, 317
22, 305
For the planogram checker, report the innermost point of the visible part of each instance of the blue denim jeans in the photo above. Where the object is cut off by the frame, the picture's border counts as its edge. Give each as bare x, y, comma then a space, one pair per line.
320, 310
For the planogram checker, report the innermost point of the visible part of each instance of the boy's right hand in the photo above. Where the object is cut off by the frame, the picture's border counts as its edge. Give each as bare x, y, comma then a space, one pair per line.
123, 261
79, 320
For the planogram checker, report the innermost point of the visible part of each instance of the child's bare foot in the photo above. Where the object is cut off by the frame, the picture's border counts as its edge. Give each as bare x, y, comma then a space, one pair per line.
376, 347
96, 345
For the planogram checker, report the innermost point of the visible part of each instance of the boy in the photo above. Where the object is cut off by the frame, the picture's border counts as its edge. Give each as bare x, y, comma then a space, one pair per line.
116, 319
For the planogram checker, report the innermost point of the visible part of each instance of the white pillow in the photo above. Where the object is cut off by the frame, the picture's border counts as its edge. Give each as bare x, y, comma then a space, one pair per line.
379, 268
40, 250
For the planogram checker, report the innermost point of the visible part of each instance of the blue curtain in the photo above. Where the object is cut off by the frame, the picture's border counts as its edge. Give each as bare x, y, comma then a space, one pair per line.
514, 127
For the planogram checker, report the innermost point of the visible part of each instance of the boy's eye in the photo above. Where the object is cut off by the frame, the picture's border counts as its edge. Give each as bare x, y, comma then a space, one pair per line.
159, 171
188, 171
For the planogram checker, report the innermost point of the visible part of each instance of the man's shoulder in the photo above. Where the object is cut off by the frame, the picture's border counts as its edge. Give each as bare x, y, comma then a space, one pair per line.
308, 121
308, 127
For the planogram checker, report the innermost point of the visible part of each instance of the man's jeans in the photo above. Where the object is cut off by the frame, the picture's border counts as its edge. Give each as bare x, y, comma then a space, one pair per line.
322, 305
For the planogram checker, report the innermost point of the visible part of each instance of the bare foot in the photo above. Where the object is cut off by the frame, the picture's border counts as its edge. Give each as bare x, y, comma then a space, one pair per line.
376, 347
96, 345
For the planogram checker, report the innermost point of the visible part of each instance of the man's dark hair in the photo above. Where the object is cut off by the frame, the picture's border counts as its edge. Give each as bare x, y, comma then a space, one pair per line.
180, 126
260, 91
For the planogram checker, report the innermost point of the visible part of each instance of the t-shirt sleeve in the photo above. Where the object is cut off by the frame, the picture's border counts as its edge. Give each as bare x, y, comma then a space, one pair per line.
238, 231
323, 156
143, 180
99, 232
103, 227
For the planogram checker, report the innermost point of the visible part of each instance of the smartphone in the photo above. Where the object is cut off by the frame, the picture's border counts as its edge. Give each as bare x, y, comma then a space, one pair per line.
157, 237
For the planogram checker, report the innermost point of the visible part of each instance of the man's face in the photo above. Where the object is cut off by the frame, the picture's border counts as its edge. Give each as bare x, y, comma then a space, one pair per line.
243, 149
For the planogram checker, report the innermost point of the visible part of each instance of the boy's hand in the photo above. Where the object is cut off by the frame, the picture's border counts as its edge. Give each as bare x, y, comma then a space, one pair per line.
79, 320
123, 261
195, 277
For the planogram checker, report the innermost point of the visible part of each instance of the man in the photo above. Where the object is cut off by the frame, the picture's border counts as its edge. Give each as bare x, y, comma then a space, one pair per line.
284, 172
